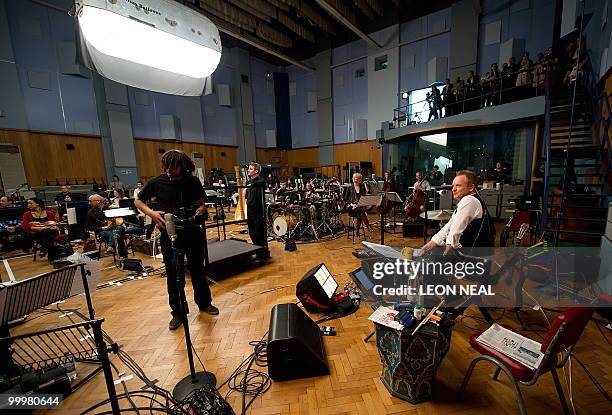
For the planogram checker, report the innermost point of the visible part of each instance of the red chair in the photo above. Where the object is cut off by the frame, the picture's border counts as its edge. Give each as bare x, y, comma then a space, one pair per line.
561, 337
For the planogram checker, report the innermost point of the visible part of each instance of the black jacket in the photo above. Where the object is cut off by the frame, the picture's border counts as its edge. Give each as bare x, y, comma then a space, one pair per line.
255, 194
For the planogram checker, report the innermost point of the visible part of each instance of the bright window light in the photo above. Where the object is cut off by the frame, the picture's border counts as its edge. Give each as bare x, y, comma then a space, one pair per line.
127, 39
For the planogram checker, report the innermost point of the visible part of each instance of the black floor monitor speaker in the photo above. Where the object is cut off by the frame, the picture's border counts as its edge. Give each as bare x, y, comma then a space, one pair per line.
295, 346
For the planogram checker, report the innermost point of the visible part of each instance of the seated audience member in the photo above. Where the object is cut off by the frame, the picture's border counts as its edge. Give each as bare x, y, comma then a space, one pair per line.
5, 202
100, 224
117, 196
41, 223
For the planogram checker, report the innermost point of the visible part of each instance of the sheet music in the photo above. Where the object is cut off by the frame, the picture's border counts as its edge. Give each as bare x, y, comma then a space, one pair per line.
369, 200
71, 212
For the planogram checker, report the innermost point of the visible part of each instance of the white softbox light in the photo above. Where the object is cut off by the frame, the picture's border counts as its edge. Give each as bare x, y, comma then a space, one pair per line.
156, 45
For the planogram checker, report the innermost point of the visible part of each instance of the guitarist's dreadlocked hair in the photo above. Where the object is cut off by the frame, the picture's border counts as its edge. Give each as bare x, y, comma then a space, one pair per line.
177, 158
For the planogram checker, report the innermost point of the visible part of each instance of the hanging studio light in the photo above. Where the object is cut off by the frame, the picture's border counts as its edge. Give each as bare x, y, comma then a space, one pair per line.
156, 45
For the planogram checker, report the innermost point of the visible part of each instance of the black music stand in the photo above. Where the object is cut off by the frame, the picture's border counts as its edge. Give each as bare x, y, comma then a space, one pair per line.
392, 197
25, 296
195, 380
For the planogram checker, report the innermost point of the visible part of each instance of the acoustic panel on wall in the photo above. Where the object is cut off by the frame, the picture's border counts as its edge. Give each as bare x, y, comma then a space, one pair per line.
141, 98
115, 93
270, 138
39, 80
66, 53
224, 95
511, 47
437, 69
493, 32
170, 126
30, 26
311, 101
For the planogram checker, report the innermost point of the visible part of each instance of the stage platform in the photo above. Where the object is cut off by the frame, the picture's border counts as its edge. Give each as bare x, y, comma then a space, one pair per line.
226, 255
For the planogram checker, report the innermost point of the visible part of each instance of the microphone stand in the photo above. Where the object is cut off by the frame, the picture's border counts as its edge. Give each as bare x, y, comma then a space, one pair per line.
195, 380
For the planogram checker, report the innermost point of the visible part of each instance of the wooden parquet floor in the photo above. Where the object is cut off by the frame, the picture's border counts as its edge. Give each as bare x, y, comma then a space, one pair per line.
136, 316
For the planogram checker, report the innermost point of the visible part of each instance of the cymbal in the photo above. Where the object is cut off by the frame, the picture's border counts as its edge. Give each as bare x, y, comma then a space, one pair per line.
441, 215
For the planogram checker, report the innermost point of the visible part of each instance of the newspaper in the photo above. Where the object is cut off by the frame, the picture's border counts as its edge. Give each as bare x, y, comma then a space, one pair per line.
512, 344
384, 315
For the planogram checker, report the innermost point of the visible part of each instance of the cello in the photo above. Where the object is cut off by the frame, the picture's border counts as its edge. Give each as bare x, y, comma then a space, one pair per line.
415, 204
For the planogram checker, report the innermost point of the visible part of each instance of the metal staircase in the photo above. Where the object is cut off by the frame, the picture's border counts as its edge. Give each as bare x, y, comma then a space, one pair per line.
575, 209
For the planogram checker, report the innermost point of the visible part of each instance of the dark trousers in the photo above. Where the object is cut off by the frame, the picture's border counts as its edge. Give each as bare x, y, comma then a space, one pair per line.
191, 242
257, 230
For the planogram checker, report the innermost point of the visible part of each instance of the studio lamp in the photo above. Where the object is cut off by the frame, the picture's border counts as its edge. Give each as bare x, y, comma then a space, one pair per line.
156, 45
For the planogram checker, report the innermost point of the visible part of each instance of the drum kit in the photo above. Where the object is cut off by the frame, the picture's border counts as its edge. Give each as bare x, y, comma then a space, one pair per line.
306, 218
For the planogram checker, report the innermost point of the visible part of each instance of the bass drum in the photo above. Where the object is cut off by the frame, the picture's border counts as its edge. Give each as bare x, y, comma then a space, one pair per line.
281, 224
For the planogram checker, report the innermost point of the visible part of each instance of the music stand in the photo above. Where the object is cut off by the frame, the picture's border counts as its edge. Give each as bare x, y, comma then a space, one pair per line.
23, 297
394, 198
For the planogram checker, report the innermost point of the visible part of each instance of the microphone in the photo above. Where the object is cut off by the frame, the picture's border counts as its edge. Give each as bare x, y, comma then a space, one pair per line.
170, 227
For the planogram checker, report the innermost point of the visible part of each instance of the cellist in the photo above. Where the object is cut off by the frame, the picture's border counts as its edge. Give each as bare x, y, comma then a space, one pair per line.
421, 183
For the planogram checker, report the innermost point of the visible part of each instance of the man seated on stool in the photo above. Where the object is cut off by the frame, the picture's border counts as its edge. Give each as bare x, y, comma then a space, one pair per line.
421, 183
470, 225
97, 222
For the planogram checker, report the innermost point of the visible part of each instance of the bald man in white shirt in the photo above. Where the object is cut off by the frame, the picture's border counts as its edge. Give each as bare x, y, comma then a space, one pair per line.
470, 225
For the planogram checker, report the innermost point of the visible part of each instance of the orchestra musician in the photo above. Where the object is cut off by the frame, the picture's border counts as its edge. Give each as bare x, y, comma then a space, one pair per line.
354, 192
97, 222
470, 225
389, 182
5, 202
178, 189
283, 192
61, 199
421, 183
309, 192
40, 223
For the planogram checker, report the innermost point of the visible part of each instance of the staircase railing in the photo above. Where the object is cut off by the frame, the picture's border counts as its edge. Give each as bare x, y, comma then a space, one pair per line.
547, 154
579, 74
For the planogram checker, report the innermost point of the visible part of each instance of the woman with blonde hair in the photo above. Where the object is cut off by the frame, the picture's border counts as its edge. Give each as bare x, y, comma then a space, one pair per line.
353, 195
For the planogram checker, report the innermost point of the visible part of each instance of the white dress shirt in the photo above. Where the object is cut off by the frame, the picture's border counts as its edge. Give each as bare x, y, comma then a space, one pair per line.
424, 185
468, 209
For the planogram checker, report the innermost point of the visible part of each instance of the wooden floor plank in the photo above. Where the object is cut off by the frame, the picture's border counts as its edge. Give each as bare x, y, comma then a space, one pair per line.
136, 316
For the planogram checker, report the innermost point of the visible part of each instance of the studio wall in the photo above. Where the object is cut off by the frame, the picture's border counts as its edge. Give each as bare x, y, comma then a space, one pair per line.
47, 159
148, 154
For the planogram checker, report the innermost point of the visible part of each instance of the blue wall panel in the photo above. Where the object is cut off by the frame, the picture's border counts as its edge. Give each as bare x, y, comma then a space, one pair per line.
220, 123
145, 120
534, 24
264, 112
304, 125
79, 103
